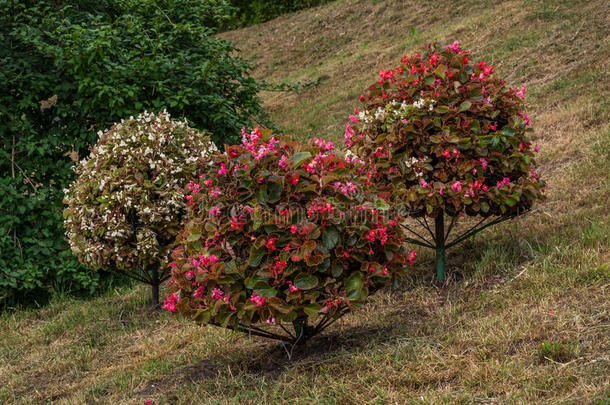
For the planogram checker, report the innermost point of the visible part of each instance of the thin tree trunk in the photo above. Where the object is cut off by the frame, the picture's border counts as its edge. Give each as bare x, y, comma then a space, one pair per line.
439, 230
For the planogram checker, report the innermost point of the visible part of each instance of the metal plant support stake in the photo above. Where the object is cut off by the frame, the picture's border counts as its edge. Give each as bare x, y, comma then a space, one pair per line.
439, 237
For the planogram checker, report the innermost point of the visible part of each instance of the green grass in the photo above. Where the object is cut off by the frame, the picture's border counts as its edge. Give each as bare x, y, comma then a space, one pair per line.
525, 314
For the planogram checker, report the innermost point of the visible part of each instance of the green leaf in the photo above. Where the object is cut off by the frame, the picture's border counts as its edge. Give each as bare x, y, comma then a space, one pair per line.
193, 237
330, 237
312, 309
354, 285
305, 281
307, 248
314, 260
256, 256
381, 204
298, 158
264, 289
274, 192
337, 270
261, 194
465, 105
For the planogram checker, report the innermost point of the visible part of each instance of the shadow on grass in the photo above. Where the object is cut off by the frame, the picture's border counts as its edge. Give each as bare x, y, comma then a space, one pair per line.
272, 360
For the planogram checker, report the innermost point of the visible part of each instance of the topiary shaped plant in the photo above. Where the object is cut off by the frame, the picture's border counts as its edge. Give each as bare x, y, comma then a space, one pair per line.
282, 232
127, 205
444, 137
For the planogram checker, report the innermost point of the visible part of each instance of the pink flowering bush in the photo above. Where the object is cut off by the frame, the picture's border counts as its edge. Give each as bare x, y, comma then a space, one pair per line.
282, 232
446, 137
127, 205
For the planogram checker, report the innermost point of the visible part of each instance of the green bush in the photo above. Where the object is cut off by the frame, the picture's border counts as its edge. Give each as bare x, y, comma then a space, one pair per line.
70, 69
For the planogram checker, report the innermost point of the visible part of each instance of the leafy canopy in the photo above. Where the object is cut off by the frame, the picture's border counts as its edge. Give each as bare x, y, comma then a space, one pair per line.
444, 134
278, 230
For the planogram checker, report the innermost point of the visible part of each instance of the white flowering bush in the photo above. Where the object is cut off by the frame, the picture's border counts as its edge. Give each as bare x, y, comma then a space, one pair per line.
127, 205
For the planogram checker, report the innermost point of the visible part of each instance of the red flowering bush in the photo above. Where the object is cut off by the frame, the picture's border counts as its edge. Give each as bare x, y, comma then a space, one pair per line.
272, 237
445, 136
127, 205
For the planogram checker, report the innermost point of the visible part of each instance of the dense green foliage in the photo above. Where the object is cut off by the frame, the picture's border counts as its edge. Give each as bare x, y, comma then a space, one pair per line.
70, 69
250, 12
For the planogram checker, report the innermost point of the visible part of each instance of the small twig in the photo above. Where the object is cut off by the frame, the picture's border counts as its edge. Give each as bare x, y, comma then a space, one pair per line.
577, 31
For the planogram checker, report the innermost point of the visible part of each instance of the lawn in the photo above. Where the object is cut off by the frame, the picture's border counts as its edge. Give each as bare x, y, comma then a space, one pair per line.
524, 316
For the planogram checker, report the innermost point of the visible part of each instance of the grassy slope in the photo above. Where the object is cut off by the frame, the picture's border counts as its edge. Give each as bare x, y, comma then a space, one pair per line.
525, 317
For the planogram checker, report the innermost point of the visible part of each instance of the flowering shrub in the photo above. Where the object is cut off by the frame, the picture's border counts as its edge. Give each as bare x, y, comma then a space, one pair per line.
127, 205
272, 237
445, 136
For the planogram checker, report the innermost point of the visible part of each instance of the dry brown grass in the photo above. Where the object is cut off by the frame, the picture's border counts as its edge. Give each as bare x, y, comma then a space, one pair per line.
525, 315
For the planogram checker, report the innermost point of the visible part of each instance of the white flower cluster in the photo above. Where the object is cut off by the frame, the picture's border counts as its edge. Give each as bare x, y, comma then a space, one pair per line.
392, 112
128, 202
413, 164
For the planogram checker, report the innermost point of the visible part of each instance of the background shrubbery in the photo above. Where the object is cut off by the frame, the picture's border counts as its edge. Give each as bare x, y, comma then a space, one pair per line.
70, 69
250, 12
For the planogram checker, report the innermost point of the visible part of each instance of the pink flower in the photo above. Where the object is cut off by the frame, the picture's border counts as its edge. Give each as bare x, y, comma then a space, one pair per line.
521, 93
323, 145
483, 163
353, 119
295, 258
271, 244
223, 170
526, 119
349, 134
199, 291
260, 180
411, 258
457, 186
257, 299
170, 302
293, 229
494, 126
536, 149
505, 181
214, 211
292, 287
446, 154
455, 47
217, 294
283, 163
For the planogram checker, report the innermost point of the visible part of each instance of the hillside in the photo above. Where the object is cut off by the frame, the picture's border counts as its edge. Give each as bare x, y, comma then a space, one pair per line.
525, 314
